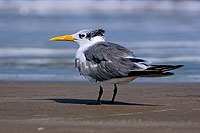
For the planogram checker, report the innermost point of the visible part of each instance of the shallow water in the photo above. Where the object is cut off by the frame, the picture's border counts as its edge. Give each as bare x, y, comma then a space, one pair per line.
166, 37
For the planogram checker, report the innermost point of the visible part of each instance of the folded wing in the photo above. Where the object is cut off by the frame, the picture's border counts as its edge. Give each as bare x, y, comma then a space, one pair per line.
108, 60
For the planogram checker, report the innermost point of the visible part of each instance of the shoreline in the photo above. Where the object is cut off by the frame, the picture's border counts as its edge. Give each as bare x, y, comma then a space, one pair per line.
63, 106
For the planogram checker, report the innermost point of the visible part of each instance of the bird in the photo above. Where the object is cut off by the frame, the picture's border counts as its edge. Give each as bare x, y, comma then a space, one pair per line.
105, 62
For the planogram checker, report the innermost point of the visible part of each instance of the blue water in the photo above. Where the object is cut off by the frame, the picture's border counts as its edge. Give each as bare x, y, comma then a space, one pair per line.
164, 37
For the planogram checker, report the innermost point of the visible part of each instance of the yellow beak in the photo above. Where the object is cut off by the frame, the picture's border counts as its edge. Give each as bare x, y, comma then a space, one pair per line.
63, 38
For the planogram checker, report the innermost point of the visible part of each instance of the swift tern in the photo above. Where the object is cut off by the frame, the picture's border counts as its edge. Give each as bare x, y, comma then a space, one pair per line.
101, 61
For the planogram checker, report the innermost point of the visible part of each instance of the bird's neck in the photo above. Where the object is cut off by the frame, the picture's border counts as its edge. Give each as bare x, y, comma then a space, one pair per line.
84, 46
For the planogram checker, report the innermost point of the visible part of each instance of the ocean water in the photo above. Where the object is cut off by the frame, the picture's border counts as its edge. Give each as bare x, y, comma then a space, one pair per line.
164, 37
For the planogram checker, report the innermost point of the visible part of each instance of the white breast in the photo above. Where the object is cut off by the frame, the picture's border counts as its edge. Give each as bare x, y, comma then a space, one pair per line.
80, 52
80, 55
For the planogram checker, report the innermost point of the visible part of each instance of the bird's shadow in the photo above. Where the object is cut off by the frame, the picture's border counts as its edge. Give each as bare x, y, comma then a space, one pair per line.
88, 102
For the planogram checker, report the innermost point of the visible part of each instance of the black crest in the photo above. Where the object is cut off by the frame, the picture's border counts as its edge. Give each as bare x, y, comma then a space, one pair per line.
99, 32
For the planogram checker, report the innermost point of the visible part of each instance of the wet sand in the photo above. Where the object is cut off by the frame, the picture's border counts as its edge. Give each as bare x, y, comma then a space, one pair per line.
63, 107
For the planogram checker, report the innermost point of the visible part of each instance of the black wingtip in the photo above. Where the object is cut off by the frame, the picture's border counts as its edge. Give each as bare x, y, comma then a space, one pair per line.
167, 73
179, 66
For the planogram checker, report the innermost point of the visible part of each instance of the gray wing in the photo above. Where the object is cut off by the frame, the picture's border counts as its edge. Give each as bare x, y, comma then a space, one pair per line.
107, 60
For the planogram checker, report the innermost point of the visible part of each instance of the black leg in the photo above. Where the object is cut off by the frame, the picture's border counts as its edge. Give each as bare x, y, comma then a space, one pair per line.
100, 94
98, 102
114, 93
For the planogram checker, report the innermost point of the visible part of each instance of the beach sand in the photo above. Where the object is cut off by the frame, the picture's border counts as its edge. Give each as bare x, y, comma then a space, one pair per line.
63, 107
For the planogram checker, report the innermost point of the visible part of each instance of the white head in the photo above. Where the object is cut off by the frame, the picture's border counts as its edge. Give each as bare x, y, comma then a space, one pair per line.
83, 37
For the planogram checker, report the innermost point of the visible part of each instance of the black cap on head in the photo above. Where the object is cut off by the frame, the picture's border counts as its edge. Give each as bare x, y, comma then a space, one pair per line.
99, 32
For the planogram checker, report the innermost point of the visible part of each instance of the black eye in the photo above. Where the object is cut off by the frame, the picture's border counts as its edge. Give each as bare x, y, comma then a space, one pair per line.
81, 36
